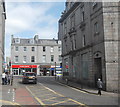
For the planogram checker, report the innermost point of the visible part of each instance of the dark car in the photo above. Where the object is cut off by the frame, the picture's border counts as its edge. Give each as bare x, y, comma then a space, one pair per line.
29, 77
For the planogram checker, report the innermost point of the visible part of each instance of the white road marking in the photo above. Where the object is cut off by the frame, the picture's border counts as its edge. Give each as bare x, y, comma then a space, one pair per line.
8, 90
13, 95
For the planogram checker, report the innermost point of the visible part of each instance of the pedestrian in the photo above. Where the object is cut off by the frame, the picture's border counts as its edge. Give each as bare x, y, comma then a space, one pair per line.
6, 78
3, 78
100, 86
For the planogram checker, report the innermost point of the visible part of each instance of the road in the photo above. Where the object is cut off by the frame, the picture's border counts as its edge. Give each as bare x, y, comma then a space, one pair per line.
48, 91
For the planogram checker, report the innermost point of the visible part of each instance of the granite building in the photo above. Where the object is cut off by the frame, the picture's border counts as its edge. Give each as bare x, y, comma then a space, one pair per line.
89, 35
35, 55
2, 33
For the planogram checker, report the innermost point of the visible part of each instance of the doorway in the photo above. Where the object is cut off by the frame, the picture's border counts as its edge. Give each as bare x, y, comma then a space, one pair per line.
98, 69
15, 72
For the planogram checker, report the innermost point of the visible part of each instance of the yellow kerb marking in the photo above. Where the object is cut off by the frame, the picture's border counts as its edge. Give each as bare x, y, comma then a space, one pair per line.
9, 102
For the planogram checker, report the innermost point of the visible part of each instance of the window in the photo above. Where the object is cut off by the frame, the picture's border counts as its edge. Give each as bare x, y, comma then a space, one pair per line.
24, 58
52, 49
52, 58
60, 58
43, 48
85, 65
84, 41
65, 28
44, 58
32, 58
73, 21
25, 49
83, 13
96, 27
33, 48
74, 42
59, 48
16, 48
17, 40
16, 58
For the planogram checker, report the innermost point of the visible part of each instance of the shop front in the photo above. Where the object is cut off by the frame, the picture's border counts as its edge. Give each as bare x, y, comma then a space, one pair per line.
45, 70
20, 69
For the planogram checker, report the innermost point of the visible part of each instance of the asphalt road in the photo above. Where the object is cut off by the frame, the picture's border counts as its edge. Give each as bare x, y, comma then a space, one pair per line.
48, 91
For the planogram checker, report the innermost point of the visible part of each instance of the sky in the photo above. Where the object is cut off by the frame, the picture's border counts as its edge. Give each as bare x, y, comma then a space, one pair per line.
25, 19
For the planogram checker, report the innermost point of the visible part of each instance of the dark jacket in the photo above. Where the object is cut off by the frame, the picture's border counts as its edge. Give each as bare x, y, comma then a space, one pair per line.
99, 84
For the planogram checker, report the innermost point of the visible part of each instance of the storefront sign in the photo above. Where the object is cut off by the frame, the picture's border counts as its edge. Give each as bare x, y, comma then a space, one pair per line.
24, 66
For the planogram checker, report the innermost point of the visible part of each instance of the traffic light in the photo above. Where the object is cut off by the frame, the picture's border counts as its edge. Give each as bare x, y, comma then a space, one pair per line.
60, 64
9, 63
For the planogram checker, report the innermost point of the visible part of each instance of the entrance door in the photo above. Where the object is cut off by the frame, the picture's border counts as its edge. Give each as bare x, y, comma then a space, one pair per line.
15, 72
98, 68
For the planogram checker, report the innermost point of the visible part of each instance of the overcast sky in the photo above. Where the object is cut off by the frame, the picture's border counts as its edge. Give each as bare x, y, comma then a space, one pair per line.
25, 19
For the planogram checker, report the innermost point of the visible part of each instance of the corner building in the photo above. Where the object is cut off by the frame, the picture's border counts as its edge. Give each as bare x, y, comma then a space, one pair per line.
89, 35
35, 55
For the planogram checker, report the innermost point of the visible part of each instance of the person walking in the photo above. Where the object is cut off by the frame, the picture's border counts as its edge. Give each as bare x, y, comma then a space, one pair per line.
3, 78
100, 86
6, 78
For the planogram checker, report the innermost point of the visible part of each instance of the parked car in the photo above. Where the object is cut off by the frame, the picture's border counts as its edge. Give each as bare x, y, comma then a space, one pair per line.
29, 77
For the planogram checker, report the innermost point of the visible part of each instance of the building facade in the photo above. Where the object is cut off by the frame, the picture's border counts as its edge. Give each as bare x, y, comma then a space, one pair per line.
35, 55
2, 33
89, 35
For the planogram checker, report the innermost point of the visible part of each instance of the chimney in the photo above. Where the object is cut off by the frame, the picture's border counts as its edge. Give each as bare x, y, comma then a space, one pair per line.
12, 36
36, 37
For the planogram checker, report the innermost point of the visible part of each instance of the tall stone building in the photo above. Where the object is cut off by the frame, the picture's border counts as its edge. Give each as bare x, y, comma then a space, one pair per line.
2, 33
89, 35
35, 55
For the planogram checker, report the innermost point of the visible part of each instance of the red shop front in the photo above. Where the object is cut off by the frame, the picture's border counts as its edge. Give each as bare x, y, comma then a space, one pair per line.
19, 69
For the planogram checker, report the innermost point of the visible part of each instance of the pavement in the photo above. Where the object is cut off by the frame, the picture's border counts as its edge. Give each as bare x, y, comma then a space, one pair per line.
85, 88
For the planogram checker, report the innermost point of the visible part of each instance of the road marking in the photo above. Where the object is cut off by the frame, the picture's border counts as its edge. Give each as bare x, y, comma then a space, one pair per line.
76, 89
51, 90
50, 98
63, 96
9, 102
60, 102
8, 90
78, 102
35, 96
13, 95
